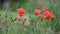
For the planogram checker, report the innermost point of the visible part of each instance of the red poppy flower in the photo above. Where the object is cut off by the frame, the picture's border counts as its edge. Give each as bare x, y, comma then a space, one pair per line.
37, 11
44, 8
49, 15
42, 16
21, 11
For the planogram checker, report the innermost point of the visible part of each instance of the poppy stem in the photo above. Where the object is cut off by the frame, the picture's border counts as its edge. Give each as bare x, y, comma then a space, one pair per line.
23, 25
35, 24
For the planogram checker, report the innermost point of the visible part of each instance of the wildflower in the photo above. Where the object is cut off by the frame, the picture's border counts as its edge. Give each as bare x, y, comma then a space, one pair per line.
44, 8
42, 16
37, 11
49, 15
21, 11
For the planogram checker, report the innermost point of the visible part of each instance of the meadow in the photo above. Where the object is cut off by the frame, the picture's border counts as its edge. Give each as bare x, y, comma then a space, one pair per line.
31, 17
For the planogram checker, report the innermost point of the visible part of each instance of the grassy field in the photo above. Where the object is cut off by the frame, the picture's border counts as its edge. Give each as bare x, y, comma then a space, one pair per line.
30, 23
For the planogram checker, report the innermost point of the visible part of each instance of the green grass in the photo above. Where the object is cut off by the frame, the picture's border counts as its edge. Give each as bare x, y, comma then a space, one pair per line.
35, 26
13, 26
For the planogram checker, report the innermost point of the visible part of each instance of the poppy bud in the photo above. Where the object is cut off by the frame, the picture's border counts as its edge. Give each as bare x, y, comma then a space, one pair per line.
37, 11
